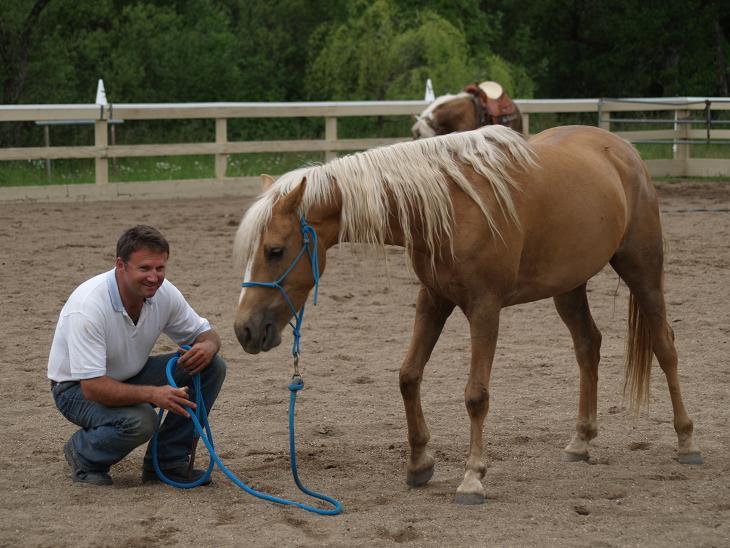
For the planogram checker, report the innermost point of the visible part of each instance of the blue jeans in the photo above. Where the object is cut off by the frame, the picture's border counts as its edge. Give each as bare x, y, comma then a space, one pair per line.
108, 434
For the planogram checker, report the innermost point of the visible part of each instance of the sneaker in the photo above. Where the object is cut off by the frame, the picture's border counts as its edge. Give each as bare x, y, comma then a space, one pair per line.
78, 474
178, 474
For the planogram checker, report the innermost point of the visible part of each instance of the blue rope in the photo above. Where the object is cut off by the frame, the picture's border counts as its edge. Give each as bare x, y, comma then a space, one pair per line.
202, 428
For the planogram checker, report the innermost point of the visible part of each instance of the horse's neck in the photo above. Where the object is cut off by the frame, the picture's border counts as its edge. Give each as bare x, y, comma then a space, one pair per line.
459, 114
328, 219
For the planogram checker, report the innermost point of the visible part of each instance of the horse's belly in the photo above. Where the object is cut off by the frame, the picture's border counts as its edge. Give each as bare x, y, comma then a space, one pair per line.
570, 245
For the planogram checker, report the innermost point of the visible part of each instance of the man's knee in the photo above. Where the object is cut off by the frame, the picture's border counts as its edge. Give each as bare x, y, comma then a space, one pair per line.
216, 370
139, 423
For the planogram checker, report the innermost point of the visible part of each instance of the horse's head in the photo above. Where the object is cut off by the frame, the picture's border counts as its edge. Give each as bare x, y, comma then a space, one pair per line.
278, 250
447, 114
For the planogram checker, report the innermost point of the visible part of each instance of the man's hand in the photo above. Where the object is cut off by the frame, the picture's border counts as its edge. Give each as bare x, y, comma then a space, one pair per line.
172, 399
201, 353
112, 393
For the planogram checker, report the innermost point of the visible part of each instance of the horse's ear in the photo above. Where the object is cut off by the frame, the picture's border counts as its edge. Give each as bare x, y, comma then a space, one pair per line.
266, 182
291, 201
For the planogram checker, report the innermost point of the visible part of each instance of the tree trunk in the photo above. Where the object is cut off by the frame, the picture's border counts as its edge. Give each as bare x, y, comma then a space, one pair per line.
722, 78
14, 51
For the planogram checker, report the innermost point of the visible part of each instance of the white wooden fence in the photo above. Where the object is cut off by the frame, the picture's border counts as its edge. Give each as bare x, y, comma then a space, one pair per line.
685, 114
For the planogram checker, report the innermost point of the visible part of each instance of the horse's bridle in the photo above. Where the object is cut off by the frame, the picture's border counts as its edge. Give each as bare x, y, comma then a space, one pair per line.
309, 238
482, 119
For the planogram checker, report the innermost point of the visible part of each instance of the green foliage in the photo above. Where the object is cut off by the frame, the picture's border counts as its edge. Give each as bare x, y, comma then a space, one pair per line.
182, 56
371, 56
54, 51
622, 48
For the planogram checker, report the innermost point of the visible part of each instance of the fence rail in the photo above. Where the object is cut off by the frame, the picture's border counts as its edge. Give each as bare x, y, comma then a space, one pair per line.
682, 112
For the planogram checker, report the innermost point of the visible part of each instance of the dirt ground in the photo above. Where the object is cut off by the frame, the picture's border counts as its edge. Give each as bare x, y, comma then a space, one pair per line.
350, 419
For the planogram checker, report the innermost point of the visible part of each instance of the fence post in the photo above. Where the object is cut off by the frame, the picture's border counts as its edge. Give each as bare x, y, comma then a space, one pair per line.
101, 141
221, 138
47, 141
680, 152
525, 124
330, 134
604, 116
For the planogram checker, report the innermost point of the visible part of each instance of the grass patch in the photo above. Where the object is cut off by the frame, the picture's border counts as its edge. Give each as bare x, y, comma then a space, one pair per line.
34, 172
244, 165
163, 168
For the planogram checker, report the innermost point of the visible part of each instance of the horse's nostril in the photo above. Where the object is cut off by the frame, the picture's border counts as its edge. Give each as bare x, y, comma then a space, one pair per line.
243, 333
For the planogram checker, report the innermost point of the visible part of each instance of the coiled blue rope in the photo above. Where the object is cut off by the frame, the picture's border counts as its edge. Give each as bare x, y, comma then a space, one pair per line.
202, 428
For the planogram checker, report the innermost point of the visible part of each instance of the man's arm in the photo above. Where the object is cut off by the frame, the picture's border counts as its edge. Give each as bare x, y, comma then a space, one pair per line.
112, 393
201, 352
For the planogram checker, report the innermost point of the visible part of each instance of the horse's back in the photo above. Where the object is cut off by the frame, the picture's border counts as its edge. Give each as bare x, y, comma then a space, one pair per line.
601, 158
588, 144
596, 157
576, 206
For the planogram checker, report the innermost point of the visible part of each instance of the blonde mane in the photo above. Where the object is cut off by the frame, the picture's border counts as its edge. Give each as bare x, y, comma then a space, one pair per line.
414, 174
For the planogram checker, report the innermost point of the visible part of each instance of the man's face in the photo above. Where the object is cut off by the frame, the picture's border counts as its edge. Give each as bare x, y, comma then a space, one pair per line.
142, 275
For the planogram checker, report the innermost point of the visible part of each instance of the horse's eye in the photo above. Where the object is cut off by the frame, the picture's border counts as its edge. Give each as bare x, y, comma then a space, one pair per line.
274, 252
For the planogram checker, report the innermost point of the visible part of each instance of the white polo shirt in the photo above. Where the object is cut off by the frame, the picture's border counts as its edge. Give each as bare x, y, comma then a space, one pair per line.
95, 336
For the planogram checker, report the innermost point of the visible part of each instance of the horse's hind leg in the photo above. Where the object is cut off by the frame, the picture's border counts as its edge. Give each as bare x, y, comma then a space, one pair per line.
575, 313
640, 264
431, 314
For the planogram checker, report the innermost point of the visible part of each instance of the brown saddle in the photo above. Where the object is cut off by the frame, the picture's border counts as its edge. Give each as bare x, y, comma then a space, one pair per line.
494, 106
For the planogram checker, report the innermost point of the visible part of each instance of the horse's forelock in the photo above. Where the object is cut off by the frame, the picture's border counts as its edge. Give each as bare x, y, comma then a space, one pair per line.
256, 219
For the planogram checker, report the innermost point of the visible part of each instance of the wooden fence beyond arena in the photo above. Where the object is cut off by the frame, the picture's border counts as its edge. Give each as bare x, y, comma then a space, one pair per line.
691, 121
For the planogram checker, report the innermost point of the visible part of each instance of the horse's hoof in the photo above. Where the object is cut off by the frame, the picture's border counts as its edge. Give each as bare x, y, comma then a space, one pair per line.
469, 499
419, 478
690, 458
567, 456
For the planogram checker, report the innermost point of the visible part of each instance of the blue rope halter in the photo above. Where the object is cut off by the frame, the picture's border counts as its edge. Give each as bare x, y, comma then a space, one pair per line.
309, 246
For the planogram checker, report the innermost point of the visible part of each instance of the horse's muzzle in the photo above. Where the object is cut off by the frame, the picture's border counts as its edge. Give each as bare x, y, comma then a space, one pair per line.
257, 333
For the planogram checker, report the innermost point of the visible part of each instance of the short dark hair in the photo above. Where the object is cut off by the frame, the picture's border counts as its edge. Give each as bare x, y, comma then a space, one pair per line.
139, 237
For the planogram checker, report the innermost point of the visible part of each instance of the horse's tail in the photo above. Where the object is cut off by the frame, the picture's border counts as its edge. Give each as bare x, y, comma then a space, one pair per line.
638, 357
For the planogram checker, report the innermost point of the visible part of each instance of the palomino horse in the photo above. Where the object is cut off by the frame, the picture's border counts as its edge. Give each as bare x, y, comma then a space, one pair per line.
488, 220
476, 106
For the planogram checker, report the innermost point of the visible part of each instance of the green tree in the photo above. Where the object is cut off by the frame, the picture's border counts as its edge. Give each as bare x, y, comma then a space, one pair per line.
274, 40
370, 56
584, 48
163, 54
19, 33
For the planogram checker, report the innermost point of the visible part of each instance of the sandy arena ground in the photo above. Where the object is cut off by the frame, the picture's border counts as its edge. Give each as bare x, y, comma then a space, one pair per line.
350, 419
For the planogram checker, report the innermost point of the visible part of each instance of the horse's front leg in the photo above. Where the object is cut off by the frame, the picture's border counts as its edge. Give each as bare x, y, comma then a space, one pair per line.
484, 327
431, 314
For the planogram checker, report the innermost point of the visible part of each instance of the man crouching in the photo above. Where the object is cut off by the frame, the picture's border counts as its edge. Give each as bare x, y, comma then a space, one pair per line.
103, 378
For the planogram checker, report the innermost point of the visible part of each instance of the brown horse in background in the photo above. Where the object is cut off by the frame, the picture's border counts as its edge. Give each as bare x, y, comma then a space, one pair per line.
476, 106
488, 220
